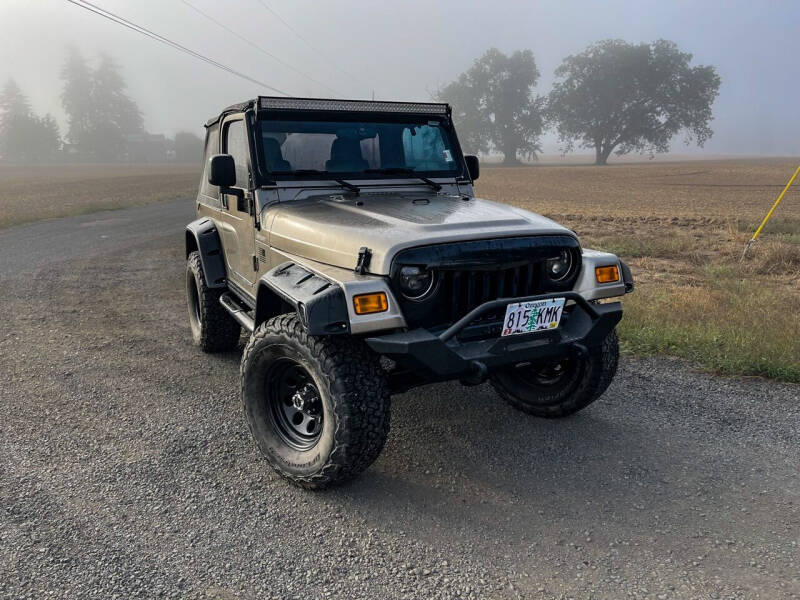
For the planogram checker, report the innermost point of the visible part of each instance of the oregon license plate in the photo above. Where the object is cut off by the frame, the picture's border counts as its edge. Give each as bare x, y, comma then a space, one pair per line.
536, 315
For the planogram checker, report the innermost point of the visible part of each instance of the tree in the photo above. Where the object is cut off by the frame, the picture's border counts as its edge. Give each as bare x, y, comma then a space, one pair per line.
47, 138
76, 98
15, 112
13, 101
494, 105
188, 147
24, 137
99, 112
114, 114
621, 97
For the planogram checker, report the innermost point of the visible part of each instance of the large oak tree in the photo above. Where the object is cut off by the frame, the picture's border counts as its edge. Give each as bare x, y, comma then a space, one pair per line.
494, 105
620, 97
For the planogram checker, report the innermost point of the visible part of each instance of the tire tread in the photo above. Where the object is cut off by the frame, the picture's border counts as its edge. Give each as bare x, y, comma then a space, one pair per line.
604, 360
355, 386
219, 332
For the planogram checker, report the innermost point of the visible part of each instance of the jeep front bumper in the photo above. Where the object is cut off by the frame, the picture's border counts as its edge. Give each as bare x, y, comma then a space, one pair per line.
442, 356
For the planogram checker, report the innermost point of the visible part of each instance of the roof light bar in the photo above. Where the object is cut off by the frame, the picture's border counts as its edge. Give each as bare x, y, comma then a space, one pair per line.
276, 103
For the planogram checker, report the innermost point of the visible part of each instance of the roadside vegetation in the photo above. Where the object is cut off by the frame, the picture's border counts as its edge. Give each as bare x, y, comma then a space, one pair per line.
682, 228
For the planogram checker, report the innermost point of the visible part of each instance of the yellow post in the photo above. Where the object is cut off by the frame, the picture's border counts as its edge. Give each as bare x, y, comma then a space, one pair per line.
771, 210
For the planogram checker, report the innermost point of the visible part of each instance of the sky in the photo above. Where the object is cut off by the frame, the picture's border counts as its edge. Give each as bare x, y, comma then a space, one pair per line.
404, 51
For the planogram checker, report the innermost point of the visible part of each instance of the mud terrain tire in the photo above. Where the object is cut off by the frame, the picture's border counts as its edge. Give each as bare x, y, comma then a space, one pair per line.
213, 329
318, 407
563, 388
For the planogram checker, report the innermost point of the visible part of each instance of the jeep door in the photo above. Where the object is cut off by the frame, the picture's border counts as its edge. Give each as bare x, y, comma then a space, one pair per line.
235, 220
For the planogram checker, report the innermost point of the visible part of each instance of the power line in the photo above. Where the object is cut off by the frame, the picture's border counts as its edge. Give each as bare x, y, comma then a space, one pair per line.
306, 42
256, 46
159, 38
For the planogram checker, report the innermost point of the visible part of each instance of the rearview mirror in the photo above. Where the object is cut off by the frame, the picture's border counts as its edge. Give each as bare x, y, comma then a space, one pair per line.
473, 166
222, 171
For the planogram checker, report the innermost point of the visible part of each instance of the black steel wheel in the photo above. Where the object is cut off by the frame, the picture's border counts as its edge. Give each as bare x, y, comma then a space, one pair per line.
295, 406
559, 388
559, 374
317, 406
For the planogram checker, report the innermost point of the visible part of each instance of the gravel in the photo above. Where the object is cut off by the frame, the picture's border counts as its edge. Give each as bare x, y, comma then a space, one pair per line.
126, 469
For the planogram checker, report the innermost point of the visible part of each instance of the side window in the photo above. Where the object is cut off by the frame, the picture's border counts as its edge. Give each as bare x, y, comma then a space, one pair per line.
212, 148
236, 146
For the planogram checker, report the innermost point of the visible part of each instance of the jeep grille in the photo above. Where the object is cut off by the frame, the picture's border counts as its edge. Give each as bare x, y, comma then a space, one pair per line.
465, 290
467, 274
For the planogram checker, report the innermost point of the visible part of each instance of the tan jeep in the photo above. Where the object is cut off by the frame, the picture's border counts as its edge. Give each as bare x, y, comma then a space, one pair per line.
345, 237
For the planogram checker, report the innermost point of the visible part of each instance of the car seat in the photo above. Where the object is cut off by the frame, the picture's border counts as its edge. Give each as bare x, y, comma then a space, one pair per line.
274, 157
346, 156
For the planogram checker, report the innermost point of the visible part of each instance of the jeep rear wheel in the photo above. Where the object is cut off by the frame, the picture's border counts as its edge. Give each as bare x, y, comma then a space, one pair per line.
559, 388
213, 329
318, 407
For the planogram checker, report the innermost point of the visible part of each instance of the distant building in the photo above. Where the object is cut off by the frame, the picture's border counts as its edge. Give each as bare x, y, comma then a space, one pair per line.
145, 147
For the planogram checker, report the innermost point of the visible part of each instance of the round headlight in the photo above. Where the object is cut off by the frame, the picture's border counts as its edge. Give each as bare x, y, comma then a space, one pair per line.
559, 267
415, 282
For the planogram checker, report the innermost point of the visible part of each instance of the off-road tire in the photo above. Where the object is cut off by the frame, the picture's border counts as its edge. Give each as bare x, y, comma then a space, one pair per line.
213, 329
590, 376
352, 390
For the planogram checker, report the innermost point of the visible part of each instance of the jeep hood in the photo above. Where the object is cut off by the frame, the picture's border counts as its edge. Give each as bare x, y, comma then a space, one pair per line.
332, 228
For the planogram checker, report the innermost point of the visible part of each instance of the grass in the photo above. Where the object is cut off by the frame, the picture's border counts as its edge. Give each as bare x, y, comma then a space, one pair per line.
670, 247
682, 228
45, 192
733, 329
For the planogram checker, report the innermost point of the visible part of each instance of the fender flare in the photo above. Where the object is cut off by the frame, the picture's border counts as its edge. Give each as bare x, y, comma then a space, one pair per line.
320, 303
202, 236
627, 276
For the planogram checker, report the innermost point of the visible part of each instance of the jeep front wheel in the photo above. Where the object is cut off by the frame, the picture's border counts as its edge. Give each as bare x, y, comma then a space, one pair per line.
318, 407
560, 388
213, 329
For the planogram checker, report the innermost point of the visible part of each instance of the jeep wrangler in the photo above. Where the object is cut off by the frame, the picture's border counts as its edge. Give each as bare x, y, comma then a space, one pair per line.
345, 237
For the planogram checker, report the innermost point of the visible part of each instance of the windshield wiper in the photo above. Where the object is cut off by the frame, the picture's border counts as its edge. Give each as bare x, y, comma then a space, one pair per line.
298, 172
348, 186
404, 171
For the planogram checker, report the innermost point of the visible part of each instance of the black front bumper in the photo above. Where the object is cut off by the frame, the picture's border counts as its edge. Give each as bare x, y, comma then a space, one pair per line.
442, 356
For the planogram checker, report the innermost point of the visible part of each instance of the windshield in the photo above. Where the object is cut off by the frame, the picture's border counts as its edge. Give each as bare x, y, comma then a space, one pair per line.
358, 149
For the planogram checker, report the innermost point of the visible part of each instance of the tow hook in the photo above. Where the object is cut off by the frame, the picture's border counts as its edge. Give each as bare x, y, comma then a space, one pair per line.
579, 350
478, 376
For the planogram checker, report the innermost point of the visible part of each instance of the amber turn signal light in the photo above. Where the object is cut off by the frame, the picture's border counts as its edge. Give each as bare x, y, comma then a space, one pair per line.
606, 274
366, 304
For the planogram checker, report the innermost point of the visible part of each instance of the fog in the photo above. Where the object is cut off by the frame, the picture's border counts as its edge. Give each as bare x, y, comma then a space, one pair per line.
404, 51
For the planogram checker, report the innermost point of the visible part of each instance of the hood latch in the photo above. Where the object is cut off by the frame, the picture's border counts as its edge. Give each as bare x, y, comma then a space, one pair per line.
364, 255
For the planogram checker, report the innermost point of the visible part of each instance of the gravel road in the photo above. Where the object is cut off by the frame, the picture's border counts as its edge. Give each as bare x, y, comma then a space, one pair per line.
126, 469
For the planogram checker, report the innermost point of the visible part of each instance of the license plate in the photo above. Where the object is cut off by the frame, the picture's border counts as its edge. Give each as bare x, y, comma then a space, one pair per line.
536, 315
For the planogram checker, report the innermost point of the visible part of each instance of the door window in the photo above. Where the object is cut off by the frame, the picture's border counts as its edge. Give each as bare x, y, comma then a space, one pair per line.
236, 145
212, 148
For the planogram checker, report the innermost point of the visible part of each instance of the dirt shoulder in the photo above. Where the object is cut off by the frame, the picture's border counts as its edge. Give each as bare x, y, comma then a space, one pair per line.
31, 193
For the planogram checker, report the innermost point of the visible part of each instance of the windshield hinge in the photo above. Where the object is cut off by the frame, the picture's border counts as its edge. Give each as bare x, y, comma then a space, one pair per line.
364, 254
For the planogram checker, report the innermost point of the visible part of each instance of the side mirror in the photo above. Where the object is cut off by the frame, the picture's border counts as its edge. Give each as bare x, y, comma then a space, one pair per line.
473, 166
221, 171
